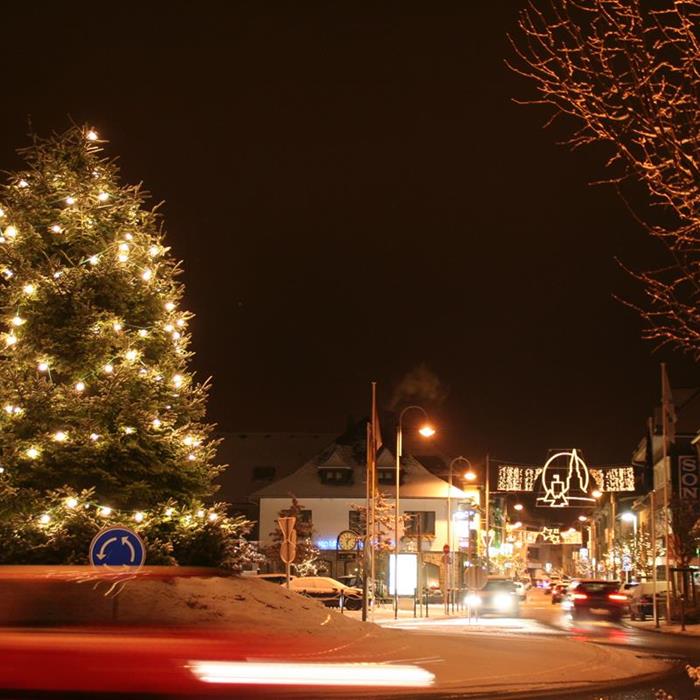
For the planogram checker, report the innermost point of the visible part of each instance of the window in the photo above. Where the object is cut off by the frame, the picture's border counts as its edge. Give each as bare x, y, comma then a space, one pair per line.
304, 516
422, 521
264, 473
386, 476
336, 476
355, 521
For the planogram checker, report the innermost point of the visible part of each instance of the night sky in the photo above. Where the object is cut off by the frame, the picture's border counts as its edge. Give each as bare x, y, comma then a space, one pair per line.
354, 194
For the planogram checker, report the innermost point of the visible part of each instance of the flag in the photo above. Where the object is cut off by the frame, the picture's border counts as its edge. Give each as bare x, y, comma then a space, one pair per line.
376, 428
667, 409
648, 473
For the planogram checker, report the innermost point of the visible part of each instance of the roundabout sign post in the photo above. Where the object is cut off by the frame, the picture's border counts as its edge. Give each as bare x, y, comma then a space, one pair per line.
117, 547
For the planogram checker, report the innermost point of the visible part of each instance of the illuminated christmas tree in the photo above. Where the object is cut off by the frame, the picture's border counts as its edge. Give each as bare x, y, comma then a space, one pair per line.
100, 419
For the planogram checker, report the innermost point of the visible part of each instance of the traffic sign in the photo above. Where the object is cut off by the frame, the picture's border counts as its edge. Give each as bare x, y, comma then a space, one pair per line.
288, 546
117, 546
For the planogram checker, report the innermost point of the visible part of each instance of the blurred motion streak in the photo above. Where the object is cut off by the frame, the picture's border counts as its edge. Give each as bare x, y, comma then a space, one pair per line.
255, 673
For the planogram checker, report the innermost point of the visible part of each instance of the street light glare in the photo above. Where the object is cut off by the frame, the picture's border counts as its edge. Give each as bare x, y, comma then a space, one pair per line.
582, 518
628, 517
427, 430
597, 493
470, 475
518, 506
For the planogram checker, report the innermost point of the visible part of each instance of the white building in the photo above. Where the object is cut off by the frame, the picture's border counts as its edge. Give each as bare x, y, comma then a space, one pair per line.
331, 483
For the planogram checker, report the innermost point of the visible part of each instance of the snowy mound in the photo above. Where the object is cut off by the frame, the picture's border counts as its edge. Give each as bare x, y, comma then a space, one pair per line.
242, 603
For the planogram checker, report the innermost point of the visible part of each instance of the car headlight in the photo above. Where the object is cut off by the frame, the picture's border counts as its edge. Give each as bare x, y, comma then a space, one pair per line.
503, 601
473, 600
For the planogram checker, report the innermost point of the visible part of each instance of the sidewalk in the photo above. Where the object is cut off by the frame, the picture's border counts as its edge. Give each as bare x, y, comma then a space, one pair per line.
649, 626
384, 613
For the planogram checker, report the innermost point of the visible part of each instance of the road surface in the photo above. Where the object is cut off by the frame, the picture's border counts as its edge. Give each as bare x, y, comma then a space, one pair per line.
540, 619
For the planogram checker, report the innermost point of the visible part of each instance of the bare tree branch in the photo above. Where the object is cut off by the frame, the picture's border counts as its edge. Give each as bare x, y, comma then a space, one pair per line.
630, 79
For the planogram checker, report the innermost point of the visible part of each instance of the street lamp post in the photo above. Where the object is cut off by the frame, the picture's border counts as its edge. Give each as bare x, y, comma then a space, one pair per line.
449, 566
426, 431
630, 517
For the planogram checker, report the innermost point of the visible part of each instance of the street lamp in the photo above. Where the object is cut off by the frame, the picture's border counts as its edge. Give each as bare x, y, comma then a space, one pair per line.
470, 475
582, 518
426, 430
596, 493
630, 517
518, 506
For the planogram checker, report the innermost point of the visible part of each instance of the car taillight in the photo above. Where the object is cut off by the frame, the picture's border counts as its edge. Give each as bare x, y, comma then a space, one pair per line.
579, 596
617, 596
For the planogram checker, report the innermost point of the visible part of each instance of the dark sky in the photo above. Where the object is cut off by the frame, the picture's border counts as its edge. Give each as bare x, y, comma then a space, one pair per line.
354, 193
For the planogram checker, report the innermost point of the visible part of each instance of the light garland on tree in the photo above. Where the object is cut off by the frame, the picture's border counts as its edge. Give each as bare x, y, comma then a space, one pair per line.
71, 208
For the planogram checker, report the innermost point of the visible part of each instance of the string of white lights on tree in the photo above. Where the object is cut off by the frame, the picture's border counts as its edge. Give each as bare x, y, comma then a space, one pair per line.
95, 393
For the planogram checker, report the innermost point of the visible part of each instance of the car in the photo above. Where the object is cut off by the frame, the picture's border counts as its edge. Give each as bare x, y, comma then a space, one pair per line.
497, 597
521, 589
641, 599
329, 591
596, 598
559, 593
274, 578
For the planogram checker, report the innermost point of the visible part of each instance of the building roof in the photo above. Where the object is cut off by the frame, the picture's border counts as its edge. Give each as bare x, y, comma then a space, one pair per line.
305, 482
246, 452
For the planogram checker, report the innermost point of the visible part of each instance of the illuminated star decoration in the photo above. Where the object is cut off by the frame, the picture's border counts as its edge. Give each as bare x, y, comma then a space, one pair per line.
551, 534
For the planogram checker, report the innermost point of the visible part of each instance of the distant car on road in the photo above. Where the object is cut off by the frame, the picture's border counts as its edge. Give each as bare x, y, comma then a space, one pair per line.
591, 598
559, 593
521, 589
328, 591
497, 597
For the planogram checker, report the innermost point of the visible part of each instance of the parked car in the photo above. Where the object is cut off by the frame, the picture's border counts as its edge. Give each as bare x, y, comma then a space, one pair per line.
641, 600
596, 598
329, 591
497, 597
559, 593
274, 578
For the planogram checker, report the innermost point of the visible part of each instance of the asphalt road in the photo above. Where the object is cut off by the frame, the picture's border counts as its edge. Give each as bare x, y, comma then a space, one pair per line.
540, 617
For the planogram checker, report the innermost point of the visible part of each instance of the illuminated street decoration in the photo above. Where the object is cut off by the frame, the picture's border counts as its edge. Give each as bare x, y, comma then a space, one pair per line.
551, 534
564, 481
517, 478
565, 478
614, 479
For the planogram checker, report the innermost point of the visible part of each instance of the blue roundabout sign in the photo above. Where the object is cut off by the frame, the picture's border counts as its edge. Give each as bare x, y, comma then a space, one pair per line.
117, 546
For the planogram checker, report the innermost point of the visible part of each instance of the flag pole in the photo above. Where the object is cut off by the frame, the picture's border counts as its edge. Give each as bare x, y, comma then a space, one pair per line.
368, 532
650, 461
664, 426
373, 493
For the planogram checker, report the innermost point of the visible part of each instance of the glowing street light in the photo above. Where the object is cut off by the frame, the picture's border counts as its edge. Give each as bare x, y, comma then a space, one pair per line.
427, 430
582, 518
518, 506
597, 493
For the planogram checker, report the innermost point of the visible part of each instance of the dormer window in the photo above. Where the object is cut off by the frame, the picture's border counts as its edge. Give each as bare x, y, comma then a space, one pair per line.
335, 475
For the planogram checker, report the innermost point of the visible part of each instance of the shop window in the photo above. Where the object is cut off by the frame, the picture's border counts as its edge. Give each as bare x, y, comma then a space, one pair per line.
420, 521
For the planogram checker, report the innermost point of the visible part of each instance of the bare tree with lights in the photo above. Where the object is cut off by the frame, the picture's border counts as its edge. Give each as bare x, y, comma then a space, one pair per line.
101, 420
629, 79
